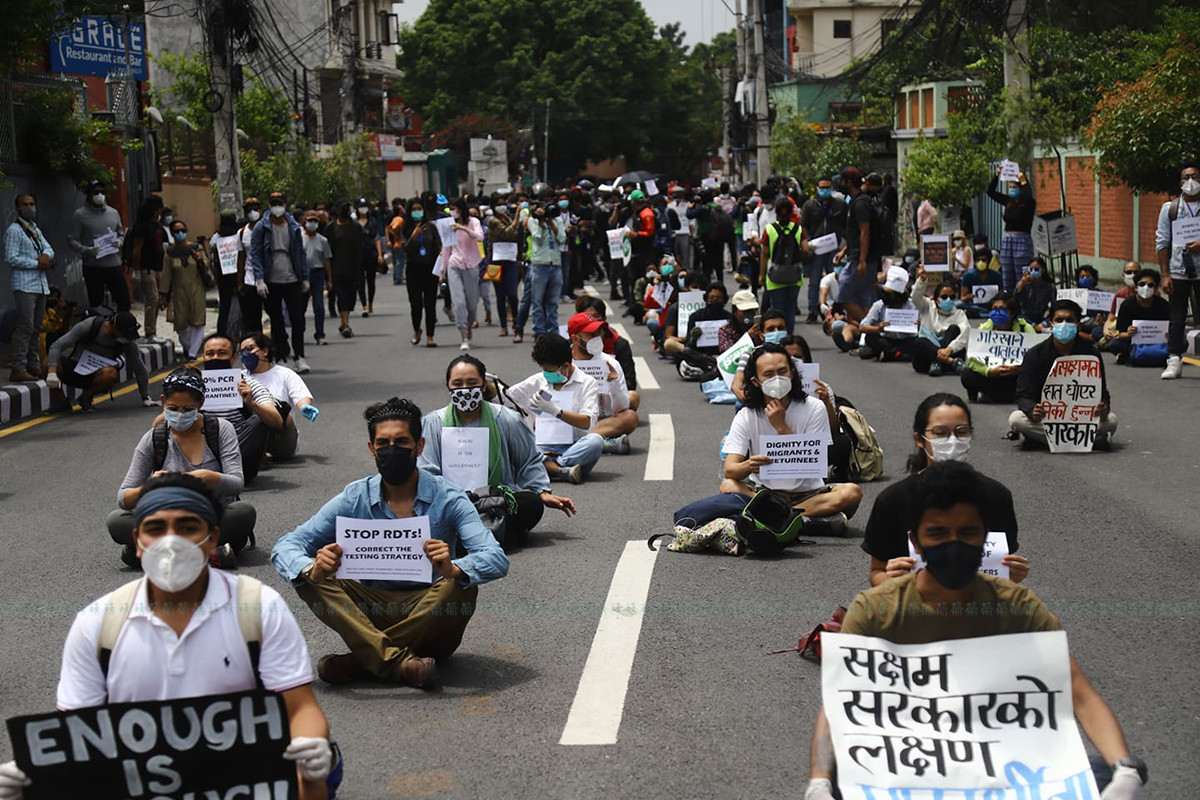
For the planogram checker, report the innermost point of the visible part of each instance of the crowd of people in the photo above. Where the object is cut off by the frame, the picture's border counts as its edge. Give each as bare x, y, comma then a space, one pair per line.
472, 479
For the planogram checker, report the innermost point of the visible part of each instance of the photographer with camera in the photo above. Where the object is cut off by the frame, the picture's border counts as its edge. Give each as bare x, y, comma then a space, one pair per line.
184, 279
547, 235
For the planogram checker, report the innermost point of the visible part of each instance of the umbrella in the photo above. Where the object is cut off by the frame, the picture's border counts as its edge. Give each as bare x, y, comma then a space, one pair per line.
637, 176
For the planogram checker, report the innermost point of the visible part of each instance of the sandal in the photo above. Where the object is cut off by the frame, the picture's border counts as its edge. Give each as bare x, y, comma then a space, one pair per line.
503, 332
415, 340
518, 338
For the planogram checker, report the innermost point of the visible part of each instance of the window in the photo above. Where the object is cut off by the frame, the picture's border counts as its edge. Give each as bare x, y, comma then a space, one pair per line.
841, 29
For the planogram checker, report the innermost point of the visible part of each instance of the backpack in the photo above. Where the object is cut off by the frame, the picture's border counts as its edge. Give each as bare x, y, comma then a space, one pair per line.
809, 645
249, 617
785, 266
212, 437
866, 455
662, 232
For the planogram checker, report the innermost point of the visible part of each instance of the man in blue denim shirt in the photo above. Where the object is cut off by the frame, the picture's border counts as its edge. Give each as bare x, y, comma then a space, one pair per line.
408, 624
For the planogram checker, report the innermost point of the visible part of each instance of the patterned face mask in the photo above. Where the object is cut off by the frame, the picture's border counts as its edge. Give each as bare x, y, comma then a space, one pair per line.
467, 399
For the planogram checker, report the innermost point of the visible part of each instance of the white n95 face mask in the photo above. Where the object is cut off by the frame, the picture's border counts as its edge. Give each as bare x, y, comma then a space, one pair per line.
595, 346
172, 563
777, 387
950, 448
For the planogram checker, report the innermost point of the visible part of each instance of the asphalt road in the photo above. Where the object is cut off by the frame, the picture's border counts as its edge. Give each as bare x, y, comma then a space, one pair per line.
1111, 538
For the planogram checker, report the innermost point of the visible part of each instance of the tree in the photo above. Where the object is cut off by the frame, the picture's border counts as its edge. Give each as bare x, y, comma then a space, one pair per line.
348, 171
839, 152
599, 63
794, 145
1144, 129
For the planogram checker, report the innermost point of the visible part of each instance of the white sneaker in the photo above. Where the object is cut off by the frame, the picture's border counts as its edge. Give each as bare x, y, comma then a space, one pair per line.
1174, 368
465, 346
302, 366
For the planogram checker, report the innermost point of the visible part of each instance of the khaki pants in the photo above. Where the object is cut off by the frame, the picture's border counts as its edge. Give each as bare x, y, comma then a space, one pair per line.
150, 290
385, 627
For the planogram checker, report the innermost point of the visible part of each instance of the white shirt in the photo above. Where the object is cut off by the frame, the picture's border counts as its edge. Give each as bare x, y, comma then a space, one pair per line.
808, 417
586, 397
150, 662
284, 384
613, 394
830, 284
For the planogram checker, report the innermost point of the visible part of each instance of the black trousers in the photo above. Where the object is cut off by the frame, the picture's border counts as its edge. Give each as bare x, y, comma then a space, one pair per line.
227, 286
877, 343
529, 513
252, 308
277, 295
98, 279
422, 287
924, 352
998, 390
253, 445
1183, 290
713, 260
366, 284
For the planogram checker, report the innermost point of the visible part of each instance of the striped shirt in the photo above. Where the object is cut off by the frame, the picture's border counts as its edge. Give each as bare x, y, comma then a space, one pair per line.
23, 242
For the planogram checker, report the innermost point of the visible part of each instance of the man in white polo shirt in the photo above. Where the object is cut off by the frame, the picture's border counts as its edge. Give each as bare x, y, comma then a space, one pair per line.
180, 632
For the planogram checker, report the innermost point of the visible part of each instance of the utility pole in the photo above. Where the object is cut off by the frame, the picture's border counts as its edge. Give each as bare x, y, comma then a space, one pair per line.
726, 121
345, 29
743, 81
761, 106
546, 147
225, 141
1016, 81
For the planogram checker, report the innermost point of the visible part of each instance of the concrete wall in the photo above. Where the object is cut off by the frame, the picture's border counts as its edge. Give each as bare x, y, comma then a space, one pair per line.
192, 201
814, 30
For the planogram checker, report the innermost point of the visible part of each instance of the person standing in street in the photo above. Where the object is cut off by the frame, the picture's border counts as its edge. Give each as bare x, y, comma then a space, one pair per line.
281, 276
395, 238
1016, 248
345, 248
856, 288
95, 235
372, 256
183, 289
148, 239
249, 301
820, 216
461, 255
225, 246
1179, 262
316, 250
547, 233
29, 257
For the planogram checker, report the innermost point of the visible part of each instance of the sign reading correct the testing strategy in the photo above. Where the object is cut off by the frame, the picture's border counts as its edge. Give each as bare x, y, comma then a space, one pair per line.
384, 549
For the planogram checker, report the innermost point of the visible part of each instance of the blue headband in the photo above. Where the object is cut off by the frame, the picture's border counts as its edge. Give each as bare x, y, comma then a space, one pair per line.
178, 497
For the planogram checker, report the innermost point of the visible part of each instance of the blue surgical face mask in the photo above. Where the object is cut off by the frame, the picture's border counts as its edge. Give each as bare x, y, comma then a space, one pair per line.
946, 304
524, 205
837, 270
180, 236
180, 420
1035, 272
250, 361
825, 193
417, 215
1087, 282
553, 376
774, 337
563, 204
1014, 192
1064, 332
667, 269
999, 317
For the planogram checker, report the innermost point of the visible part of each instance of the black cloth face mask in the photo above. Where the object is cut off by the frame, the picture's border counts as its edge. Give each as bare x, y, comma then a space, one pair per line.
395, 463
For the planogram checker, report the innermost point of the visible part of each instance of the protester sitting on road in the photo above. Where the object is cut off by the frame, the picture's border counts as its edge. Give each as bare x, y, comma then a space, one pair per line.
1026, 421
773, 325
997, 384
1146, 304
410, 623
1035, 292
110, 338
544, 394
673, 340
942, 431
513, 458
714, 311
115, 652
840, 447
776, 404
187, 441
949, 526
942, 343
653, 308
1129, 274
881, 343
616, 346
257, 417
983, 272
289, 390
616, 419
745, 308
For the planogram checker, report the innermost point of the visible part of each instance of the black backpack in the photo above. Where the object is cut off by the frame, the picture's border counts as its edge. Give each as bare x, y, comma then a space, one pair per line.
785, 266
212, 437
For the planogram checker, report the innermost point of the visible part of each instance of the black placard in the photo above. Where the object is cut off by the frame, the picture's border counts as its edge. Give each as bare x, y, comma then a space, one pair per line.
168, 749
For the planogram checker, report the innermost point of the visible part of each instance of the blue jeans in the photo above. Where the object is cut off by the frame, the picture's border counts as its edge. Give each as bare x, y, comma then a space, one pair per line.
523, 309
585, 452
566, 272
399, 257
820, 265
547, 287
316, 290
784, 299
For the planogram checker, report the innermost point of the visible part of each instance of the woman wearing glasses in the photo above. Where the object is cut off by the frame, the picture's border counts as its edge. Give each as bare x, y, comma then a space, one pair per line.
942, 432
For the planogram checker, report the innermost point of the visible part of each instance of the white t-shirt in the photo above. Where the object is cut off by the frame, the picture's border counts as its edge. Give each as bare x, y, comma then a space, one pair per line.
808, 417
586, 397
150, 662
284, 384
246, 234
830, 284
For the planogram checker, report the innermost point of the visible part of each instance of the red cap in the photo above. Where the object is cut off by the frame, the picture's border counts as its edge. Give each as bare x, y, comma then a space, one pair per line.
584, 323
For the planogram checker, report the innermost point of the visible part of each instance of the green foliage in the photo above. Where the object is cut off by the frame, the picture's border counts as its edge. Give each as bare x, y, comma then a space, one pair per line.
346, 172
30, 25
839, 152
615, 87
53, 136
1144, 129
794, 145
949, 171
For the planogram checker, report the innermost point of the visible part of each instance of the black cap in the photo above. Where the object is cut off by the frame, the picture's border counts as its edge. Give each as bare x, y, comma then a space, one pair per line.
126, 325
276, 198
93, 185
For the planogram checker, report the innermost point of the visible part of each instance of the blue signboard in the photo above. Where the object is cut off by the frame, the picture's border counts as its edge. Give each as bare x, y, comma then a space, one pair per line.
96, 46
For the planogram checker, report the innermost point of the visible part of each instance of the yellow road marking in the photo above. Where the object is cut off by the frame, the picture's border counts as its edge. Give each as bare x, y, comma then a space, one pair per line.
1192, 361
31, 423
